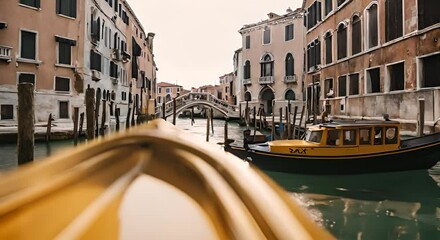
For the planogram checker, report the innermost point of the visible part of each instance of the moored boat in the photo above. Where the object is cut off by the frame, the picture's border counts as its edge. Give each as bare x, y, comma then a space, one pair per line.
345, 147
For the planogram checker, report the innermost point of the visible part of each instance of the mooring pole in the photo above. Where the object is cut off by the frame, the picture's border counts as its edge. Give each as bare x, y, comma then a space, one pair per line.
98, 102
174, 111
212, 120
103, 118
246, 113
81, 124
207, 127
90, 115
295, 111
226, 132
163, 112
48, 128
26, 116
300, 122
117, 112
75, 125
421, 117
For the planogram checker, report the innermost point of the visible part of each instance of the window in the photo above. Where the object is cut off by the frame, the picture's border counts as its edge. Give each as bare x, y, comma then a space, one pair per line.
393, 19
31, 3
396, 75
373, 80
62, 84
288, 32
428, 13
365, 136
313, 14
328, 48
391, 135
342, 86
350, 137
95, 60
28, 45
354, 84
342, 41
26, 78
372, 40
290, 65
378, 132
266, 36
65, 50
266, 66
333, 137
356, 36
113, 70
168, 90
430, 70
248, 42
63, 109
328, 7
7, 111
66, 8
247, 70
313, 54
160, 90
123, 96
313, 136
95, 29
159, 99
328, 88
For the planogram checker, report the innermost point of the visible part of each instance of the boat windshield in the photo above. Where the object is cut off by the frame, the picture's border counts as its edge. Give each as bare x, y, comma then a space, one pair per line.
313, 136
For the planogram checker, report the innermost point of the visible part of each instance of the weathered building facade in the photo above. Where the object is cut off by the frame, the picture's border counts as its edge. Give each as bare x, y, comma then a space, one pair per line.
40, 43
370, 58
238, 74
272, 59
228, 88
66, 46
167, 91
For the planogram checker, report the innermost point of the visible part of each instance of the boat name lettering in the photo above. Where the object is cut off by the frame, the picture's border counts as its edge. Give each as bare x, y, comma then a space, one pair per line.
298, 150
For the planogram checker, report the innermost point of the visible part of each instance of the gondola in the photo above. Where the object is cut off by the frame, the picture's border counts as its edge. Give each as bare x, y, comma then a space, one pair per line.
344, 147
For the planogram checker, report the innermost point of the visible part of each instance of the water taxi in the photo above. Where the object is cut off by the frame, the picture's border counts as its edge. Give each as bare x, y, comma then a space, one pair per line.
344, 147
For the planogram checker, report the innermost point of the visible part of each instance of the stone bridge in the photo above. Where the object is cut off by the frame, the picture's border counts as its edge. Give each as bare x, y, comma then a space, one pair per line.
195, 99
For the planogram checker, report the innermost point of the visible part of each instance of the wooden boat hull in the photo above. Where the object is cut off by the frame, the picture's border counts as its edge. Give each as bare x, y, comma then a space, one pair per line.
411, 158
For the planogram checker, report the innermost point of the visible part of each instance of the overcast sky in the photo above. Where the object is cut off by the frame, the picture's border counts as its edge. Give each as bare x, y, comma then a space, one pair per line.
195, 40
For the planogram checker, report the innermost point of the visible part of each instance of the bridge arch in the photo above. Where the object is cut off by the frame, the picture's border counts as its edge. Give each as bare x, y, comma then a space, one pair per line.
197, 103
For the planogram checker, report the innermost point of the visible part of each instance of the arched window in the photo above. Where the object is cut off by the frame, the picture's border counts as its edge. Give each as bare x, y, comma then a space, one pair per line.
266, 66
290, 65
328, 48
356, 36
290, 95
247, 96
247, 70
372, 28
342, 41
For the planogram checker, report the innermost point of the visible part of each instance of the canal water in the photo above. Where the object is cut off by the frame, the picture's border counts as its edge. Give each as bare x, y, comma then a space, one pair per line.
401, 205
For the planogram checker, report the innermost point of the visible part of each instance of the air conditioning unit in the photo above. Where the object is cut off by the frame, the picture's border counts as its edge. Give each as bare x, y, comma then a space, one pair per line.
96, 75
116, 55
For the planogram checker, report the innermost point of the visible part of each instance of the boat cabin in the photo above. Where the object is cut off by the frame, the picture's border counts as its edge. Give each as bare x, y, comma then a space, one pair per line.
344, 138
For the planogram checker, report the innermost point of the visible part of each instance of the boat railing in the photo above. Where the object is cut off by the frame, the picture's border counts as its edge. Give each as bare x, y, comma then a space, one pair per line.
82, 192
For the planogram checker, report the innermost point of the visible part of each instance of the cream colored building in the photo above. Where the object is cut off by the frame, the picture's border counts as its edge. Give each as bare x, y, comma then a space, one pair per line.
40, 43
272, 59
228, 88
167, 91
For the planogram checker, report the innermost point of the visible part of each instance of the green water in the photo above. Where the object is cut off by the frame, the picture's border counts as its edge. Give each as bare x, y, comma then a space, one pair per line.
400, 205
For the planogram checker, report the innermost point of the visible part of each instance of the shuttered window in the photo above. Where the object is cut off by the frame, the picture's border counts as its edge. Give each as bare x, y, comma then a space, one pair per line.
266, 36
342, 41
342, 86
394, 19
290, 65
64, 109
354, 84
31, 3
428, 13
328, 48
372, 26
356, 35
247, 70
28, 45
7, 111
430, 71
65, 50
397, 76
95, 60
62, 84
66, 7
289, 32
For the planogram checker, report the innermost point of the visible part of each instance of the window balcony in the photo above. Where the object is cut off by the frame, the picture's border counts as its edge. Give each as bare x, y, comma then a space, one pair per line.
5, 53
266, 80
290, 79
247, 81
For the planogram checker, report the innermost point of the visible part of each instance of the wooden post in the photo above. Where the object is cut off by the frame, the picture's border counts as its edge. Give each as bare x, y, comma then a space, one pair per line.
75, 125
90, 115
239, 110
226, 132
103, 118
134, 105
192, 116
117, 112
207, 127
212, 120
174, 111
26, 115
289, 126
294, 121
421, 117
300, 122
127, 123
81, 123
280, 123
48, 128
163, 112
98, 103
286, 127
273, 125
246, 113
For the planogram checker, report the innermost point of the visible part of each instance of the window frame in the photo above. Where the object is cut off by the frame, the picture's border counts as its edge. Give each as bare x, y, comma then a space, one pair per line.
59, 109
366, 80
367, 22
36, 45
58, 52
61, 91
358, 85
289, 63
287, 36
1, 116
31, 73
344, 76
420, 73
402, 21
266, 29
359, 22
328, 35
72, 14
267, 66
247, 70
339, 37
387, 85
37, 7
